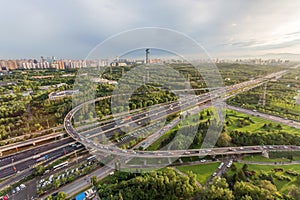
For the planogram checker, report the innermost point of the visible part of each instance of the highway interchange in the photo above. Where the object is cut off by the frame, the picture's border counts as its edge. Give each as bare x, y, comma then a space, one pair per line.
158, 113
139, 121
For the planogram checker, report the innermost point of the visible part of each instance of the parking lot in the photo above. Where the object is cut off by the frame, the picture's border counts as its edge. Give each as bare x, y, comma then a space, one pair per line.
24, 193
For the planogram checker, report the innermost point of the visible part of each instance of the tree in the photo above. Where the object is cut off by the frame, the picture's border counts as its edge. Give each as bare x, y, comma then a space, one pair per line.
267, 185
279, 127
294, 192
56, 183
63, 180
61, 196
94, 181
223, 140
164, 185
245, 167
233, 167
217, 189
39, 170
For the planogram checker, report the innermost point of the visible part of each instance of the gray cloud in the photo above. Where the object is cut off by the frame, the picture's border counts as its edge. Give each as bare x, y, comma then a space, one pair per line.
71, 28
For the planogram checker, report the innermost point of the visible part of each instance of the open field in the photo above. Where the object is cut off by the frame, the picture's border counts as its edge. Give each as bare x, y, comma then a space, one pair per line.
235, 121
253, 123
259, 158
202, 171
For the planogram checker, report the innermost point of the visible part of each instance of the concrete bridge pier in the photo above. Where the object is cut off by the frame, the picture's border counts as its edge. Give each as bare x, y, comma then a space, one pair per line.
265, 154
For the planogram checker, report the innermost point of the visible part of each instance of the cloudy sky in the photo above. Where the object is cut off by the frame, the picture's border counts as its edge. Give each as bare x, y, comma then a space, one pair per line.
71, 28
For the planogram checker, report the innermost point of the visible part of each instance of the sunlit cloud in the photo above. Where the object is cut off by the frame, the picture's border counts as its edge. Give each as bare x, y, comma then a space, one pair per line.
72, 28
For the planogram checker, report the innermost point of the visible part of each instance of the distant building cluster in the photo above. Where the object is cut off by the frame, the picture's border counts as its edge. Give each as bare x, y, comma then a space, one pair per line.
52, 62
43, 63
257, 61
8, 65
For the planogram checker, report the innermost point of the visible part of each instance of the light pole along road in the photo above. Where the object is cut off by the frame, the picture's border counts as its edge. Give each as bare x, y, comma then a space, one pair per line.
159, 113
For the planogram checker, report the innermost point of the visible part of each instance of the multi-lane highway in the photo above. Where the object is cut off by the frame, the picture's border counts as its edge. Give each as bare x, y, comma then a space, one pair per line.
18, 162
12, 164
30, 142
141, 119
158, 113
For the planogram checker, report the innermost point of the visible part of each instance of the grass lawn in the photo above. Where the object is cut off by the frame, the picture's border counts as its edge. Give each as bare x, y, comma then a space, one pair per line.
256, 124
190, 120
252, 124
155, 145
282, 185
259, 158
202, 171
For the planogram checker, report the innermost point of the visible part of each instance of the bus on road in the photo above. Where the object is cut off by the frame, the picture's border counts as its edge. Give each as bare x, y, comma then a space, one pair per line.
61, 165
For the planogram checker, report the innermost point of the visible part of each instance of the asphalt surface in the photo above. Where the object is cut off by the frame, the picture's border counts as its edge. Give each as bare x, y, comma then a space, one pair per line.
26, 159
161, 112
158, 113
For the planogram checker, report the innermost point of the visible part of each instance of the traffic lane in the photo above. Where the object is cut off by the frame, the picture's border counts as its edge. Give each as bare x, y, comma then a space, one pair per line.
30, 163
176, 103
161, 112
8, 171
31, 152
113, 125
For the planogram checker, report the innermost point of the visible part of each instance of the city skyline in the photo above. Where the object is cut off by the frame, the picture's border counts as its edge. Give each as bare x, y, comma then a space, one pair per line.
71, 29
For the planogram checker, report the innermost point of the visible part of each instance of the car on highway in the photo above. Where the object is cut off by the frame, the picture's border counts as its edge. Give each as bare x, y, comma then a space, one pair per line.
229, 164
231, 149
221, 165
214, 174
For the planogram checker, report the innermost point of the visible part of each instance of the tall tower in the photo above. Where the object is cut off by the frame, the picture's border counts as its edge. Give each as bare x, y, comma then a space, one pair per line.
147, 56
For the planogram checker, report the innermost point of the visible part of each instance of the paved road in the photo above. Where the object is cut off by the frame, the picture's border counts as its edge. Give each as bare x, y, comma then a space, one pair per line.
79, 184
29, 142
159, 113
171, 108
26, 159
28, 193
53, 150
222, 168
